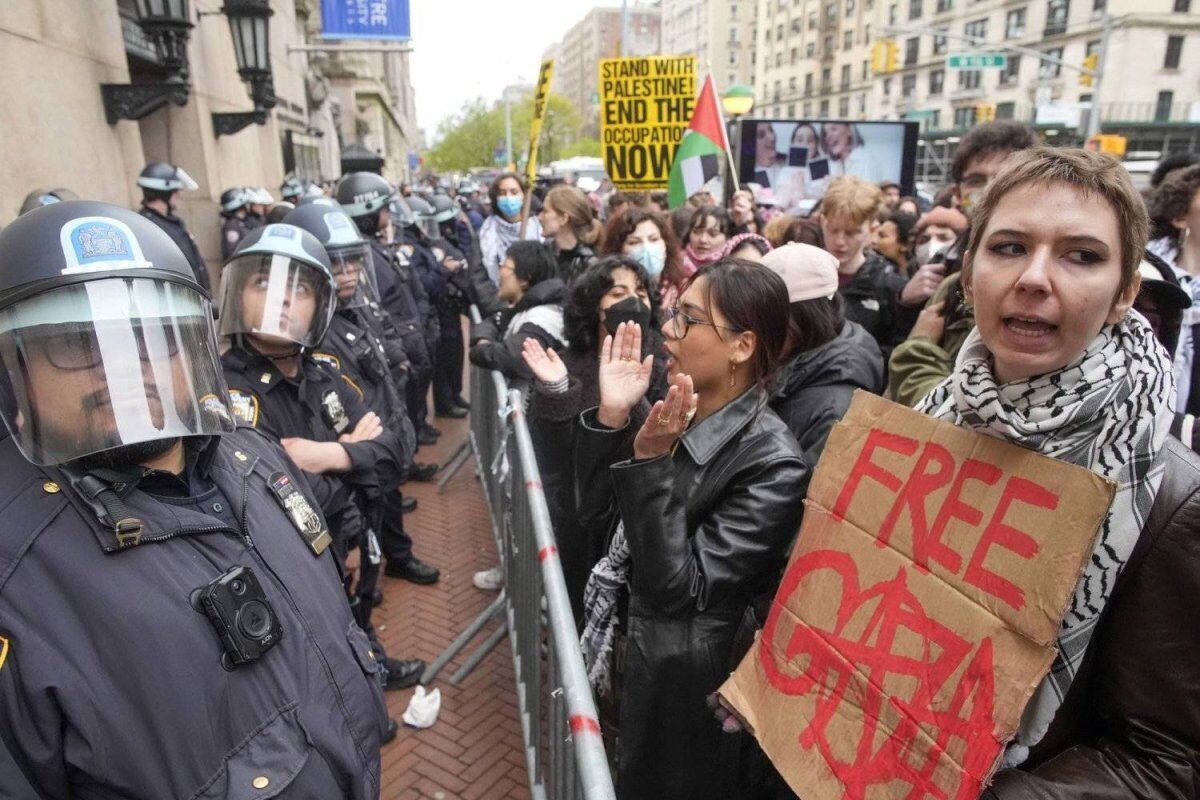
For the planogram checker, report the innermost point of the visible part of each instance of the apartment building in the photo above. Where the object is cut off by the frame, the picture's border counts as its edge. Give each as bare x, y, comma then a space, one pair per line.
720, 33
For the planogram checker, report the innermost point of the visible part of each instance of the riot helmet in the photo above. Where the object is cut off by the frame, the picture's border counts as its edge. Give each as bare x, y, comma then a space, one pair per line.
232, 200
166, 178
106, 338
364, 194
277, 290
401, 212
44, 197
279, 211
291, 189
349, 253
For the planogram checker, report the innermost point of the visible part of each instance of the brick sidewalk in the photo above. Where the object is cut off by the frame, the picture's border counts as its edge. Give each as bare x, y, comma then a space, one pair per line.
475, 750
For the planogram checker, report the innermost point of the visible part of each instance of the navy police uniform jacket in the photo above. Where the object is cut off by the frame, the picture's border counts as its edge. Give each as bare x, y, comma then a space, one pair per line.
111, 684
173, 227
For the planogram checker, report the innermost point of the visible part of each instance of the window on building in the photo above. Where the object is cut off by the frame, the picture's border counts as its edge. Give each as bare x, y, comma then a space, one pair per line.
831, 12
779, 33
1183, 6
808, 84
843, 107
824, 108
795, 55
1049, 70
1014, 24
887, 87
1006, 110
812, 20
733, 56
862, 105
828, 46
1056, 17
912, 49
976, 29
1174, 50
779, 59
908, 86
1092, 47
1012, 69
808, 109
969, 78
866, 70
937, 79
892, 11
845, 76
944, 5
810, 50
914, 9
791, 109
849, 7
1098, 7
732, 80
797, 25
940, 44
1162, 106
778, 90
847, 40
733, 34
792, 85
964, 117
826, 80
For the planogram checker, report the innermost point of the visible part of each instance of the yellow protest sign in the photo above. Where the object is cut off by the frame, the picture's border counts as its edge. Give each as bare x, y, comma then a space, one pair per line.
539, 114
645, 106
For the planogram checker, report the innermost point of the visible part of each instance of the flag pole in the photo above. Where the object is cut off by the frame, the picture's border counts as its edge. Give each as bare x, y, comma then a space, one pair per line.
724, 129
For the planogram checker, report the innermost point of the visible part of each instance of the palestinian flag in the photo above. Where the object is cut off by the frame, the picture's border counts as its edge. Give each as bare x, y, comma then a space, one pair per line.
698, 159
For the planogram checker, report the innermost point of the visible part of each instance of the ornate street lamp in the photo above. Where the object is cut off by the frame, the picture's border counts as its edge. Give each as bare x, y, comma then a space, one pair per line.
168, 24
250, 24
737, 101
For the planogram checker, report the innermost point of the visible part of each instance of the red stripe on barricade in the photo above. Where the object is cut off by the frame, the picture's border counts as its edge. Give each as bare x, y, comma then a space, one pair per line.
533, 485
546, 552
580, 724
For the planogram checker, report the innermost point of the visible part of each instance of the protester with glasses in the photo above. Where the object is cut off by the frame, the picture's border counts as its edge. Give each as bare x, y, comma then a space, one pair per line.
705, 502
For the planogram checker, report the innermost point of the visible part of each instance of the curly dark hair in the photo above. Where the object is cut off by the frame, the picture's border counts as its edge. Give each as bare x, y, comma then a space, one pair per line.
1172, 199
581, 313
612, 240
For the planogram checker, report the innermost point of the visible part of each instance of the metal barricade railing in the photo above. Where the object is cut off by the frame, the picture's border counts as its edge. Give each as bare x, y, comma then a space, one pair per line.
563, 748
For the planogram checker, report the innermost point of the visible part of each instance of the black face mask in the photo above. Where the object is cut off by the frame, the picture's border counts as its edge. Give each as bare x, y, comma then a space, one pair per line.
631, 309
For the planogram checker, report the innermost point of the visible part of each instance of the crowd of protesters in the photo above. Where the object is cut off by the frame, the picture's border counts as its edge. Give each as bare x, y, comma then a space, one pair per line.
684, 371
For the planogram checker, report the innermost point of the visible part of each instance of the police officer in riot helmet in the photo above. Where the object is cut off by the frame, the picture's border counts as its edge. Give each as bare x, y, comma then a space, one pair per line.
279, 211
44, 197
366, 198
161, 184
260, 201
355, 345
441, 230
291, 189
234, 208
170, 610
278, 300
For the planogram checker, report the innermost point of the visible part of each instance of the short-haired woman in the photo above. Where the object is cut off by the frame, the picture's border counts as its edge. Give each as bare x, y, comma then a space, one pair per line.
1059, 364
706, 494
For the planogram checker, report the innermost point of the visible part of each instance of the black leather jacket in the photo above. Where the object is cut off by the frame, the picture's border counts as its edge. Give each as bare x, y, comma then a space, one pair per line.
1130, 724
709, 530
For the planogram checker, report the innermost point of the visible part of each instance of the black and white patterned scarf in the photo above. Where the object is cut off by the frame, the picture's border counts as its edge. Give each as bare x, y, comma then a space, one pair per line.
609, 578
1110, 411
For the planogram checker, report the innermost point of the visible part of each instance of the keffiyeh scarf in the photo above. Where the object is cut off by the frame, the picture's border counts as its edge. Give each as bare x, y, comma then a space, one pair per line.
600, 598
497, 235
1109, 411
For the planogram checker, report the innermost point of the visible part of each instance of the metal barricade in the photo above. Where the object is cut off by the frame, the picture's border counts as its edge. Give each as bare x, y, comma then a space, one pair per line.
563, 749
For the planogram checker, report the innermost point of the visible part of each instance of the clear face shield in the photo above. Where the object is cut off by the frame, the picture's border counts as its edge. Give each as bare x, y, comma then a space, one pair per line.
354, 275
429, 226
107, 363
275, 299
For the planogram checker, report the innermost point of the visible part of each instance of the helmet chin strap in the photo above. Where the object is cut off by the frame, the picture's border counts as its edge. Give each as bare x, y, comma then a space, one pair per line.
247, 344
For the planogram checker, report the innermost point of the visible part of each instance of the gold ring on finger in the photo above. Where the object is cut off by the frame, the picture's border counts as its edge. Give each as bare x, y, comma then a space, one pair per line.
663, 420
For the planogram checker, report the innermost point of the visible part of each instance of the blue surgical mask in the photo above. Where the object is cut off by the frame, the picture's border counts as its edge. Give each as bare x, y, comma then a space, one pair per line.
653, 257
510, 206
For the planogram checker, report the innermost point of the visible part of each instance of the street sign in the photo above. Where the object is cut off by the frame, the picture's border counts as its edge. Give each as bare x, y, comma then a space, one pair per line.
976, 61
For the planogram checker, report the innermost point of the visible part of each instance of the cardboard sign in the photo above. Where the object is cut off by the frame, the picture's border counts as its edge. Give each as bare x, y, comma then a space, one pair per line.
919, 609
539, 115
645, 106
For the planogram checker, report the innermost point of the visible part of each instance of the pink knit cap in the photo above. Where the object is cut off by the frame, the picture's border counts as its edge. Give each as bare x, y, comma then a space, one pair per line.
809, 272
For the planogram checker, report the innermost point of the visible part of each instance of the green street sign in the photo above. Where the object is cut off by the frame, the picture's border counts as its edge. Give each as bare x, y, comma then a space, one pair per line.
976, 61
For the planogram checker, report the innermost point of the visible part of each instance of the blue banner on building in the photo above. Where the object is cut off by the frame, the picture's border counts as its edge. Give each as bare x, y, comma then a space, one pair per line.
366, 19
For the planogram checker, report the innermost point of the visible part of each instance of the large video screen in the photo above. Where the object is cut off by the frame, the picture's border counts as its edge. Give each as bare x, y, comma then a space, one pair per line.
796, 159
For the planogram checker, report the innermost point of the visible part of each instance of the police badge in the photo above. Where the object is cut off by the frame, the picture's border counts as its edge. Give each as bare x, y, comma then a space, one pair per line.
304, 518
334, 413
245, 407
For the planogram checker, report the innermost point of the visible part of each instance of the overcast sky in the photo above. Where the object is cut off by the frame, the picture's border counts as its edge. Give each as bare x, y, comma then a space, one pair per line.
464, 50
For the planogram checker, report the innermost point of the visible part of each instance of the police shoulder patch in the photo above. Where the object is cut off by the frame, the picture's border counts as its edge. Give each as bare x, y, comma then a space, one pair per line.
329, 359
245, 407
3, 651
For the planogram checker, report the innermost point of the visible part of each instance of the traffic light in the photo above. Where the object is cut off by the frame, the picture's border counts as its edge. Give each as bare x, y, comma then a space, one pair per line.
885, 56
985, 112
1090, 62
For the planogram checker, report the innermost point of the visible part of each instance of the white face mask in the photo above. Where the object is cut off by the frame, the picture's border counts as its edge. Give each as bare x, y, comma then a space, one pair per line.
926, 252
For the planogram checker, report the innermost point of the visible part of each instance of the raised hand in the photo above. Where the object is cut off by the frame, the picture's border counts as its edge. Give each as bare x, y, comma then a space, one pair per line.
544, 363
668, 419
624, 375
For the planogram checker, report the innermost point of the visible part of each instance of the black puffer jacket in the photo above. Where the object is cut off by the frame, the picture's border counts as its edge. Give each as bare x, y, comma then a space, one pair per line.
497, 341
814, 390
873, 301
708, 530
573, 262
